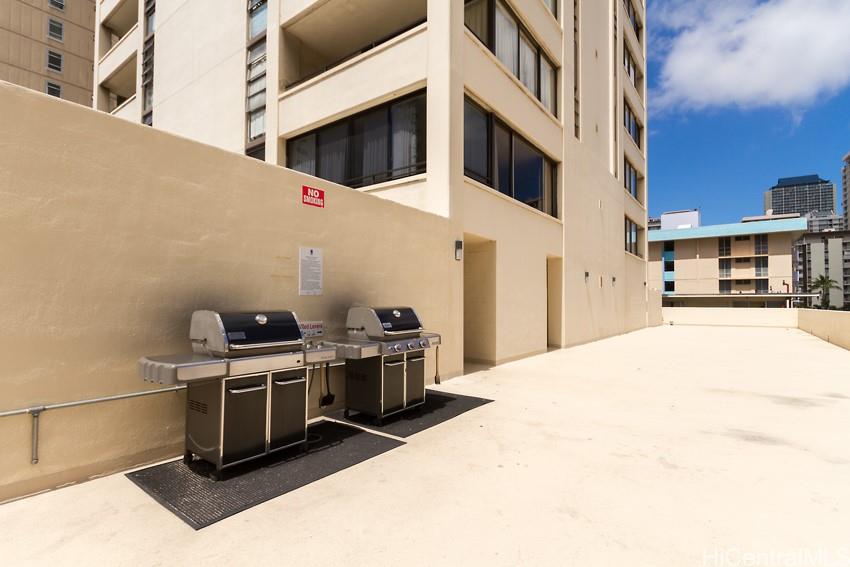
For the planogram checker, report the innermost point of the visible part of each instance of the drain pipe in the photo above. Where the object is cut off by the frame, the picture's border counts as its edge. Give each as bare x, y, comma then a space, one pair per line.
36, 411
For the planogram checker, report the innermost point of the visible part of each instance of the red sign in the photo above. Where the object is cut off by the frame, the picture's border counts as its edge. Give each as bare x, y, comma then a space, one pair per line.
312, 196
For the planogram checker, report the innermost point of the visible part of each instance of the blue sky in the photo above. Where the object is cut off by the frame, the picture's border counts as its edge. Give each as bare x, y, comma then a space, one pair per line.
743, 92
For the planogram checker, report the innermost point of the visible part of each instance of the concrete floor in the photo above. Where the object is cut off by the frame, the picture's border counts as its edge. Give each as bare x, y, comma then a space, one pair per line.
672, 446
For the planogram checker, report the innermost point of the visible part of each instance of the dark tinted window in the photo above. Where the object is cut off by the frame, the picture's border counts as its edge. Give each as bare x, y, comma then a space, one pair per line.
528, 174
502, 158
475, 129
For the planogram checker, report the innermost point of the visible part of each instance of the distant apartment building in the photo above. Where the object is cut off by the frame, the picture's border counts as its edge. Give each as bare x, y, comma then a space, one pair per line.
524, 121
746, 264
48, 46
653, 223
825, 222
845, 189
805, 194
823, 254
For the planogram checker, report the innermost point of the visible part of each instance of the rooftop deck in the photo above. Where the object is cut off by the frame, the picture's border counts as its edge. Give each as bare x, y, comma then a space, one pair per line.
666, 446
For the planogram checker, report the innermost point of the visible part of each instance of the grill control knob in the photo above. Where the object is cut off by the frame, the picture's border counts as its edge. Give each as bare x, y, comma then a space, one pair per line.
261, 319
411, 346
397, 348
423, 343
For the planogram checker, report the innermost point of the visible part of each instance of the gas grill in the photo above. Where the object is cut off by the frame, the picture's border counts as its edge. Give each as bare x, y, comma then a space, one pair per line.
246, 384
384, 360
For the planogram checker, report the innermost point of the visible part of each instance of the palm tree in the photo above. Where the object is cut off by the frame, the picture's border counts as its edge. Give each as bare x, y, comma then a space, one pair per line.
824, 284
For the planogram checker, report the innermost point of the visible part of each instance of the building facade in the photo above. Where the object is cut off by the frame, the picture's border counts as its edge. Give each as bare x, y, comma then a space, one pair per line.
522, 121
48, 46
825, 222
805, 194
746, 264
823, 254
845, 189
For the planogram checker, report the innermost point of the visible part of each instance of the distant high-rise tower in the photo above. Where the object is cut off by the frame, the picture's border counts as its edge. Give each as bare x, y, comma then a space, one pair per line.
845, 179
803, 195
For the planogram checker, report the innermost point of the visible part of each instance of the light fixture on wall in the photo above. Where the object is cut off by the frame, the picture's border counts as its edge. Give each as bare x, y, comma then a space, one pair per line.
458, 250
586, 276
613, 280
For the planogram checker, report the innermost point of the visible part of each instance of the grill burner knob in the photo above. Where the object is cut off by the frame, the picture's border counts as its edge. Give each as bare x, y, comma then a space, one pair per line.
411, 346
397, 348
261, 319
423, 343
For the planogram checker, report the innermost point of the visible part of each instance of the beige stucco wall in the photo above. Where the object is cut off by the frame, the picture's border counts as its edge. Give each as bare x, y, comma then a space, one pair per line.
730, 316
107, 254
831, 326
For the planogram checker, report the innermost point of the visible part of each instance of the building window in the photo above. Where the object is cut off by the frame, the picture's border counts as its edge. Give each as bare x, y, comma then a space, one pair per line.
632, 70
761, 267
502, 159
631, 180
669, 265
669, 287
54, 61
634, 18
255, 90
762, 286
630, 121
553, 7
633, 237
669, 245
725, 286
576, 68
514, 46
725, 267
147, 63
382, 143
58, 4
724, 246
53, 89
257, 152
761, 244
55, 29
257, 16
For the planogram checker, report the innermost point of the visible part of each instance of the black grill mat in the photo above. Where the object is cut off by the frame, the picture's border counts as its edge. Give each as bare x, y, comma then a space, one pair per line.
194, 498
438, 407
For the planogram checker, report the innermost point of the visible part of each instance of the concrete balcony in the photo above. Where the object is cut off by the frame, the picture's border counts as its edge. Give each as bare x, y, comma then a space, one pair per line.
393, 68
120, 53
497, 88
117, 19
130, 110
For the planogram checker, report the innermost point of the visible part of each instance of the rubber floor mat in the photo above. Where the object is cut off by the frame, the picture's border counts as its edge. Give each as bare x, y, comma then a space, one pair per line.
187, 491
438, 407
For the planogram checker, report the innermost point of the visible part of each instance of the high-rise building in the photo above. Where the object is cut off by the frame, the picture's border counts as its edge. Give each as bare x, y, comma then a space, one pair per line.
825, 222
805, 194
845, 189
823, 254
511, 117
746, 264
48, 46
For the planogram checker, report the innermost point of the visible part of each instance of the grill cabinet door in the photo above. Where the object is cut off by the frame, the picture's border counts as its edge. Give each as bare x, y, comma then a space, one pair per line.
288, 415
244, 418
393, 384
415, 378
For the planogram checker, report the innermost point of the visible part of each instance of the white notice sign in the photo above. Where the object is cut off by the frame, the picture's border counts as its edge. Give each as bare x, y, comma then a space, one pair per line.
310, 271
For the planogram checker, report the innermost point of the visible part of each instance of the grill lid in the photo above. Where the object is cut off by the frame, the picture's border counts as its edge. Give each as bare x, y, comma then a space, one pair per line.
395, 319
237, 334
248, 329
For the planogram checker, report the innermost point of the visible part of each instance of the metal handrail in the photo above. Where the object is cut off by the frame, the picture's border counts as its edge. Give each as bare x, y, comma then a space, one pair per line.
36, 411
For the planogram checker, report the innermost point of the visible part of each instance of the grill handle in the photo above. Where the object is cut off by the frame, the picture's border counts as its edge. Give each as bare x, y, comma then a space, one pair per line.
247, 389
288, 381
407, 332
416, 359
266, 345
394, 363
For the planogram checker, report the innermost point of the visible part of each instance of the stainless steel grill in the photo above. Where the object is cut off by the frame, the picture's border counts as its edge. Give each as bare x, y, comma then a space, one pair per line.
385, 360
246, 384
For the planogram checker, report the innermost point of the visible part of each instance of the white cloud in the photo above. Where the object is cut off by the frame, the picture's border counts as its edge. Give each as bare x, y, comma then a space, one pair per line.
750, 53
